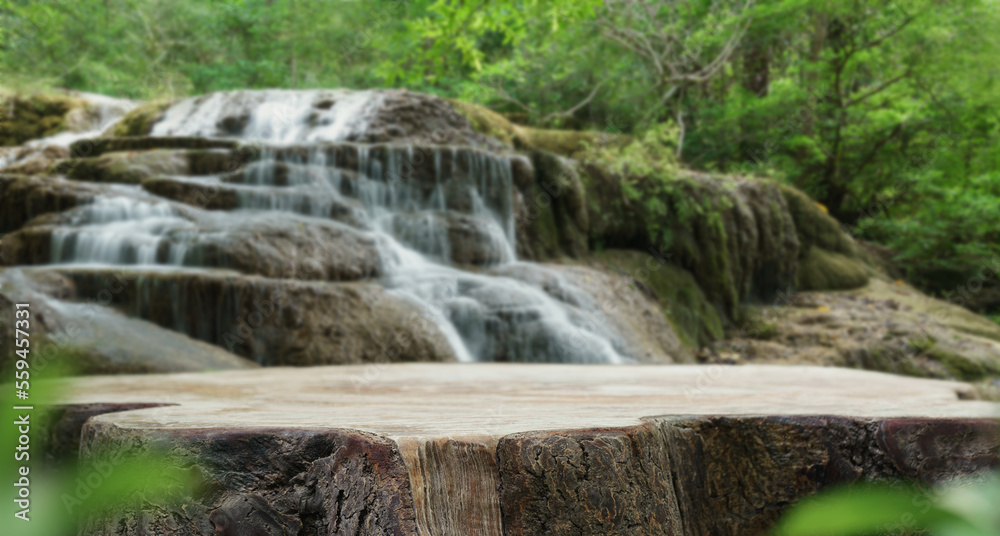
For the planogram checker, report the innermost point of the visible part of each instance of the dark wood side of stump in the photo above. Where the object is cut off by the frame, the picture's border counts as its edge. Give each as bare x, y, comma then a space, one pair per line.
60, 428
264, 483
718, 475
671, 475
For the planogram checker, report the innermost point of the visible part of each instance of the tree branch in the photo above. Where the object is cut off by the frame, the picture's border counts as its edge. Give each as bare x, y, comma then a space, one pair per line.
571, 111
878, 146
878, 89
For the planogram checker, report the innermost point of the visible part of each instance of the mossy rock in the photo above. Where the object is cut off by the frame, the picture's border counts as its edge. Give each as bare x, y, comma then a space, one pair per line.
98, 146
486, 121
826, 270
960, 362
613, 218
125, 167
887, 358
561, 142
741, 239
25, 197
737, 237
28, 117
140, 121
554, 221
538, 236
918, 305
694, 317
814, 226
962, 367
758, 328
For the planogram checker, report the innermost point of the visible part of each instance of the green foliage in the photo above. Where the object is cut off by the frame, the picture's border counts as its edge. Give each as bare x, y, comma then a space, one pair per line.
165, 48
648, 169
950, 236
961, 509
64, 492
653, 154
461, 35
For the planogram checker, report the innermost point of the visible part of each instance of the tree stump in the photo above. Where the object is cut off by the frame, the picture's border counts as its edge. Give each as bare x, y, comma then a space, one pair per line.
514, 449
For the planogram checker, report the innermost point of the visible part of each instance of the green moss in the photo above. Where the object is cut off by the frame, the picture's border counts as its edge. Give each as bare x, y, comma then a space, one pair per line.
683, 303
561, 142
560, 178
28, 117
755, 324
767, 331
815, 227
614, 219
487, 122
922, 344
140, 121
959, 366
123, 167
558, 220
736, 237
825, 270
889, 359
541, 238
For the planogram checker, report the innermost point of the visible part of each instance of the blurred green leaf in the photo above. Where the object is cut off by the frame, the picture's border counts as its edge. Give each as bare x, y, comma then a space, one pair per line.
961, 509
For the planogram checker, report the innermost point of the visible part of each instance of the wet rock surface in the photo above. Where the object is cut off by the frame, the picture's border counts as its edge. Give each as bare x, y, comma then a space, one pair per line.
631, 312
259, 243
24, 197
274, 321
737, 237
88, 338
370, 116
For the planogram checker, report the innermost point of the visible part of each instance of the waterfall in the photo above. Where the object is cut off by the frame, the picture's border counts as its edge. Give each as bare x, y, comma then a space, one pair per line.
441, 218
274, 115
120, 230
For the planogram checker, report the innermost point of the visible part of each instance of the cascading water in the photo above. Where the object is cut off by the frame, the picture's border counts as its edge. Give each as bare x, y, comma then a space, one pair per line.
274, 116
442, 219
119, 230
